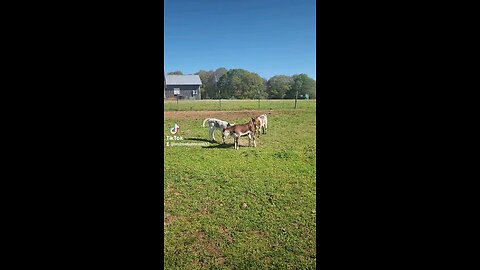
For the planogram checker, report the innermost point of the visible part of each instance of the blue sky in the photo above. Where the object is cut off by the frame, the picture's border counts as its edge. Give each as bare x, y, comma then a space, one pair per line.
268, 37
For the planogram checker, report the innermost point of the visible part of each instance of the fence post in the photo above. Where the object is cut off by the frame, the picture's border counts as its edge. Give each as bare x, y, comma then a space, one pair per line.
258, 99
296, 99
220, 99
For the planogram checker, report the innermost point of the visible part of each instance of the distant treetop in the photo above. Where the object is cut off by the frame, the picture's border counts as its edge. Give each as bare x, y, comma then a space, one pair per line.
178, 72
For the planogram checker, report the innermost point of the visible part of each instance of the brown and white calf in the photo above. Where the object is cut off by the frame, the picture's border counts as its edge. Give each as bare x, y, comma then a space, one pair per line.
236, 131
261, 124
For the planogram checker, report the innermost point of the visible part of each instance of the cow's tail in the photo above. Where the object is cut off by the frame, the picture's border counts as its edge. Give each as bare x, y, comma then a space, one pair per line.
206, 119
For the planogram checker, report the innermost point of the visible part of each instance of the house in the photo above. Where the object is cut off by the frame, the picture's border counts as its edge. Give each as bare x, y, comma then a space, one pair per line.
183, 86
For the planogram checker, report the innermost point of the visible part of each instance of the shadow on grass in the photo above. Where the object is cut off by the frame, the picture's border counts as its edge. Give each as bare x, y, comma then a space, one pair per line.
214, 144
197, 139
226, 145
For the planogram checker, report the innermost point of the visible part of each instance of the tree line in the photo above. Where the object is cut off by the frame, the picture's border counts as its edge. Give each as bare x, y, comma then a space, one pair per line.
243, 84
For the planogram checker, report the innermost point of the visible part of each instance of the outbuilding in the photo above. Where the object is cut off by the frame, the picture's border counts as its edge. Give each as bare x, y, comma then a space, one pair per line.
183, 86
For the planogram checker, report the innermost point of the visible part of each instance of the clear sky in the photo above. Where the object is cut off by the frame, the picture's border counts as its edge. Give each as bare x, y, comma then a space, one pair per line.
268, 37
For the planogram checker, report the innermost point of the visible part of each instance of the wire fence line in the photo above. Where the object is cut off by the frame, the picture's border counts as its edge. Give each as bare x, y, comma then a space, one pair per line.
229, 104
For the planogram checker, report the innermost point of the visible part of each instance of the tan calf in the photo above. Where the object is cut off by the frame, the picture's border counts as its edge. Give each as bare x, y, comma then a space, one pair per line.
261, 124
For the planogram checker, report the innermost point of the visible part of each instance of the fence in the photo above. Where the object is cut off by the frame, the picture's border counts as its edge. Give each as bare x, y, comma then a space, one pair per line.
229, 104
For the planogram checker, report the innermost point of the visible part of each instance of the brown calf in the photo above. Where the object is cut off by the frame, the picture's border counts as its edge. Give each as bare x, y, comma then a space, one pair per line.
240, 130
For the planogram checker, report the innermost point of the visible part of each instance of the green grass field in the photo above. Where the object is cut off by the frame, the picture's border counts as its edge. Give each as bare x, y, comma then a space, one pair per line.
252, 208
214, 105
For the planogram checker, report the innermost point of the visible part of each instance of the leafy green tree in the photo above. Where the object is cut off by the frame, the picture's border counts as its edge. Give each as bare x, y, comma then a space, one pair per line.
313, 93
278, 86
240, 84
207, 83
218, 73
304, 85
264, 93
178, 72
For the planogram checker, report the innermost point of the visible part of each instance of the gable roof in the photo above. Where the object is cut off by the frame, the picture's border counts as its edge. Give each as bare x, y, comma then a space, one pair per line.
183, 80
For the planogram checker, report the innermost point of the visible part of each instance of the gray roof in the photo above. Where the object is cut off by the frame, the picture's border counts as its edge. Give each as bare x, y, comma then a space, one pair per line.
183, 79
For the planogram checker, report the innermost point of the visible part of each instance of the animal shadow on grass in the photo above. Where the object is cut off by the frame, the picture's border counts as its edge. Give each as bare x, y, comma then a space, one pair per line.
221, 145
198, 139
214, 144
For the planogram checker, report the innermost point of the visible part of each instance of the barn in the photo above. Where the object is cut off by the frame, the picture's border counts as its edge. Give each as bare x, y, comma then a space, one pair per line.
186, 86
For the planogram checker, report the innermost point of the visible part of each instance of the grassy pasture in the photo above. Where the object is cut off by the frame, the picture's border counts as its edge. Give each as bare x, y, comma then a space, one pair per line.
229, 105
252, 208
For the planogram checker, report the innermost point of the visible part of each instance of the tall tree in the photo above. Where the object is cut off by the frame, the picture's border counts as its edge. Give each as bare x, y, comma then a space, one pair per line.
240, 84
278, 86
209, 81
207, 78
303, 84
313, 93
218, 73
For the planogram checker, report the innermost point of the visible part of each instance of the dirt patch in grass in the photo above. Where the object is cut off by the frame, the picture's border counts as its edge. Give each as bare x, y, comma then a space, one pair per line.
201, 115
261, 234
202, 212
168, 199
222, 229
169, 219
171, 190
220, 261
225, 233
207, 244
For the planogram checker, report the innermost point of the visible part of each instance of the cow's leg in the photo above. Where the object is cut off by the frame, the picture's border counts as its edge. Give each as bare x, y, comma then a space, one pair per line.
212, 137
254, 143
249, 139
